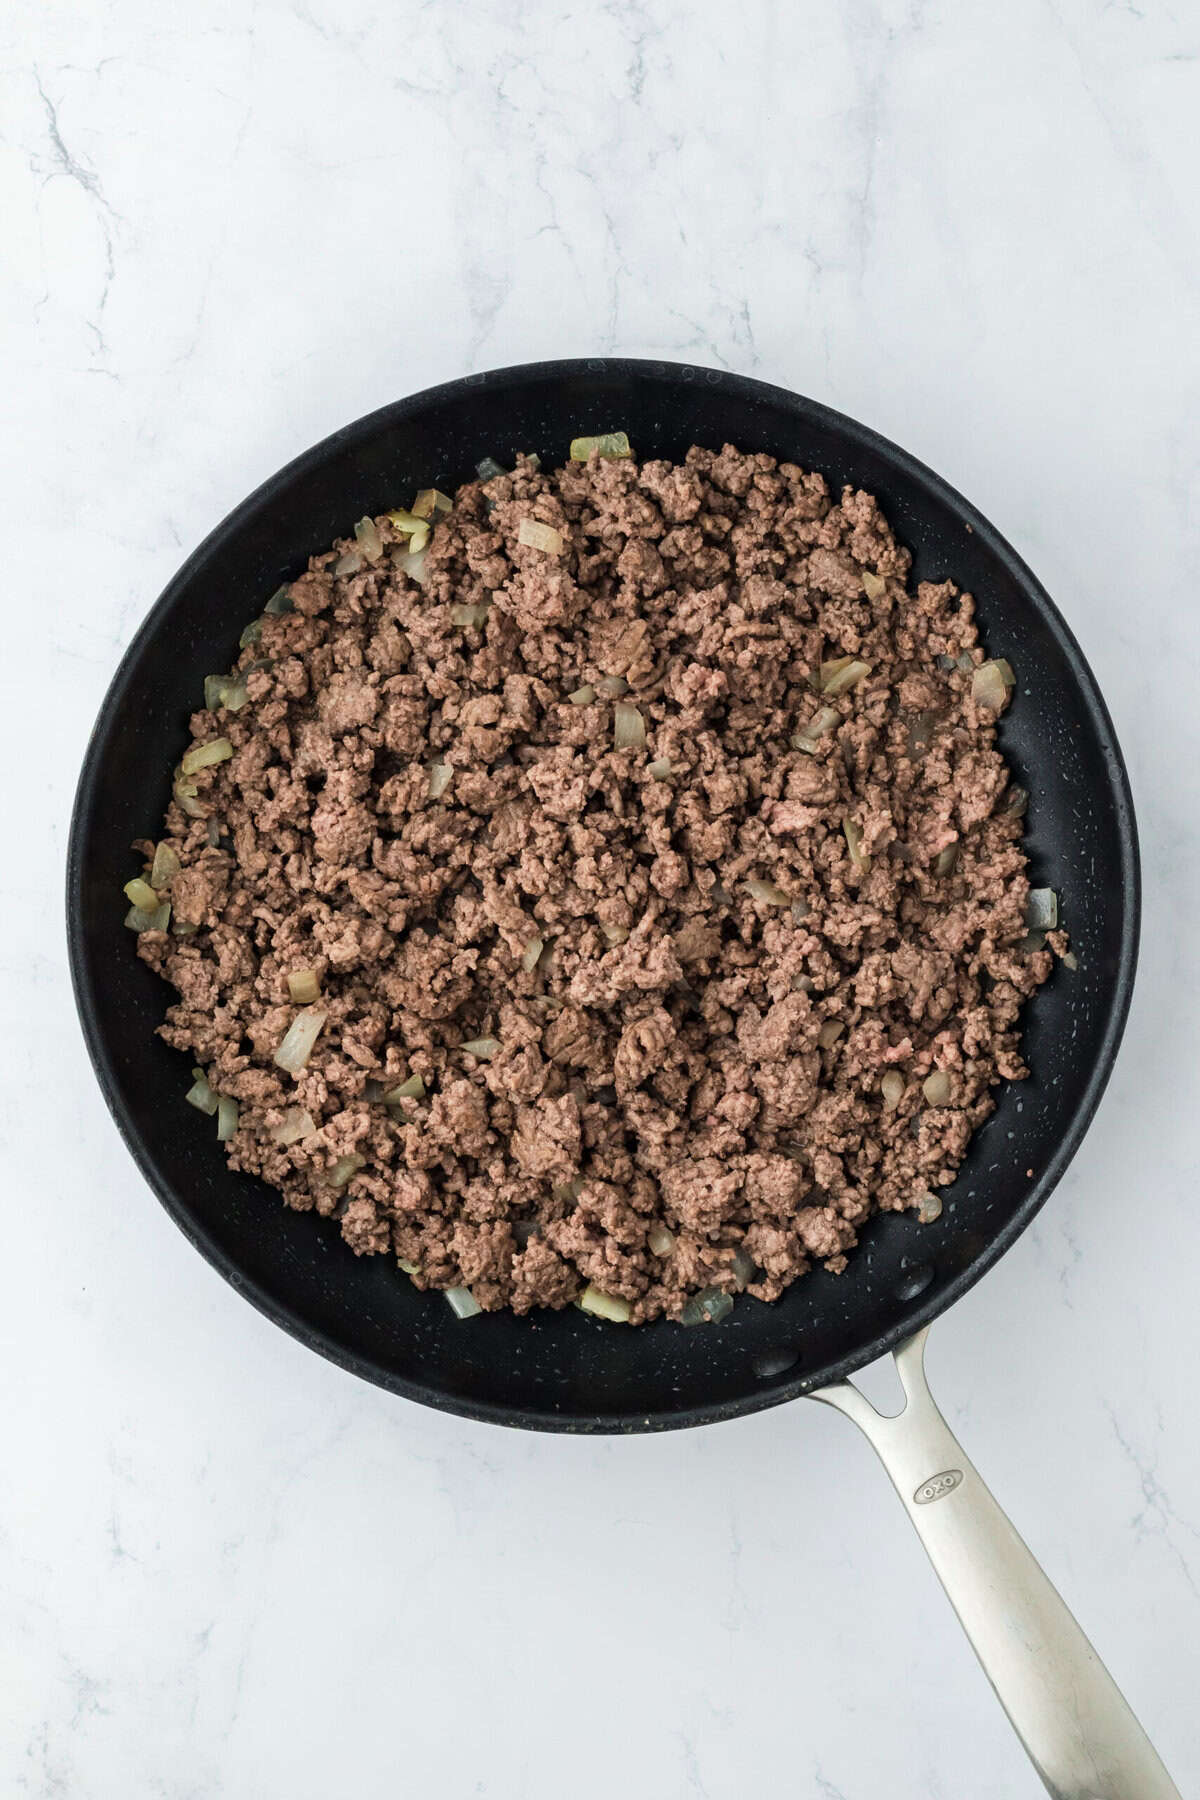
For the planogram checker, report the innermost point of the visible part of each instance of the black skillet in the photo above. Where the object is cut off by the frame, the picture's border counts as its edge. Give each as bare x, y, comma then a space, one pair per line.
567, 1371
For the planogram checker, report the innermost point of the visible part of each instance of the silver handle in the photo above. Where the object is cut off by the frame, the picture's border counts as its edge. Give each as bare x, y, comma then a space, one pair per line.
1068, 1712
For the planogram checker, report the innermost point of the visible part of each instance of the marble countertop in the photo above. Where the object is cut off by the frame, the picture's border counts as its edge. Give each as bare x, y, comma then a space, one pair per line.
228, 1569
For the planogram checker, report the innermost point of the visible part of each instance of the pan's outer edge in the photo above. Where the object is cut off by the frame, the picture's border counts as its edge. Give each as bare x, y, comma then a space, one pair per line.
779, 1390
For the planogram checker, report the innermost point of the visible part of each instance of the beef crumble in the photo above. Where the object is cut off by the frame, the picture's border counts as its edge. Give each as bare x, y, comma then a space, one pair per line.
657, 787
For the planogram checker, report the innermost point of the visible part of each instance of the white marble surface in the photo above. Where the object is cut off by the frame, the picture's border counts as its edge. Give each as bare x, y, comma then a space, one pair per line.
225, 1567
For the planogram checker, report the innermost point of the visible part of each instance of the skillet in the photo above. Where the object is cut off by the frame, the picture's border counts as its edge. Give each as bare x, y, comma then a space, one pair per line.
567, 1371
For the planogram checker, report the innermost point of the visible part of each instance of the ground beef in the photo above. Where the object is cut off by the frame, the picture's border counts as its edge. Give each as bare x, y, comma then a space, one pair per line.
690, 1049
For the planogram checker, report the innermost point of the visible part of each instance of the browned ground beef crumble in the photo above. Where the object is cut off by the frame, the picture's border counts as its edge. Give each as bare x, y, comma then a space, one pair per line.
683, 1053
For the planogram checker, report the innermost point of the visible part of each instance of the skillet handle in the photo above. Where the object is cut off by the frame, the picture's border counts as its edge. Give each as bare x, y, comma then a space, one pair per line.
1064, 1705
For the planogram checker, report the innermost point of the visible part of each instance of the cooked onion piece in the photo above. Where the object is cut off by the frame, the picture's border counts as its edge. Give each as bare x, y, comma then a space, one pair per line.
205, 756
605, 1306
298, 1040
537, 536
607, 443
768, 892
629, 727
842, 674
303, 987
708, 1307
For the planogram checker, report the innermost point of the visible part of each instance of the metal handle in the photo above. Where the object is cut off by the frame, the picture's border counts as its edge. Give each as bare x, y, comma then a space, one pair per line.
1067, 1711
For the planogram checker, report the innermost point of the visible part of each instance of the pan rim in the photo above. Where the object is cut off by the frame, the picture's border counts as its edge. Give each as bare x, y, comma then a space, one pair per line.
775, 1391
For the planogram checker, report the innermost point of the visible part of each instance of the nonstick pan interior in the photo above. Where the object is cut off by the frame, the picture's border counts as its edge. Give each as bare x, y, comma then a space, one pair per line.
568, 1371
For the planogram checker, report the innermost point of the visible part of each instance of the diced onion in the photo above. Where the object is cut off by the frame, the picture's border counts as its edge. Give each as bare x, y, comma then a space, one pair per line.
419, 539
944, 861
660, 768
251, 634
829, 1033
487, 468
411, 1089
616, 934
1033, 940
139, 893
843, 673
463, 1303
298, 1040
537, 536
767, 891
800, 910
605, 1306
484, 1048
1016, 801
531, 952
475, 615
892, 1089
440, 776
990, 684
853, 835
297, 1123
582, 696
823, 720
138, 919
629, 727
874, 586
929, 1208
412, 563
936, 1088
1070, 961
344, 1168
708, 1307
227, 1118
410, 1268
212, 833
745, 1269
200, 1094
166, 863
185, 792
204, 756
1041, 909
606, 443
366, 534
430, 502
660, 1240
406, 522
613, 685
567, 1192
228, 691
280, 602
303, 986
